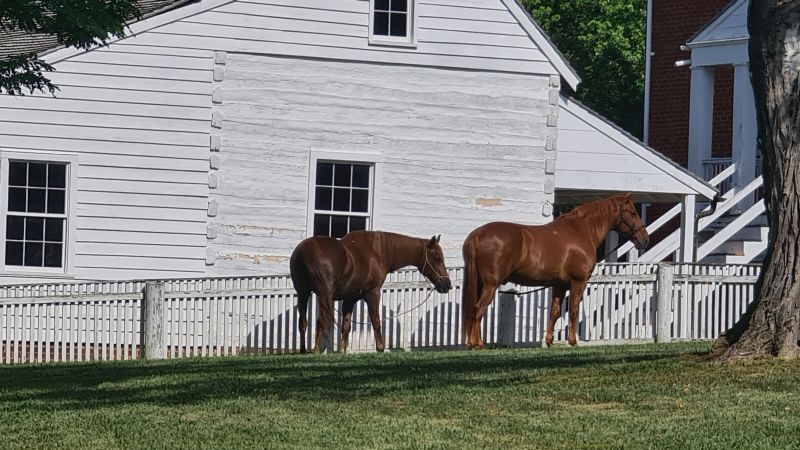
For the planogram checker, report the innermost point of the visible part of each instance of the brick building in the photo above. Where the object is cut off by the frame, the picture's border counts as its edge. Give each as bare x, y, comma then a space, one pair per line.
674, 22
701, 114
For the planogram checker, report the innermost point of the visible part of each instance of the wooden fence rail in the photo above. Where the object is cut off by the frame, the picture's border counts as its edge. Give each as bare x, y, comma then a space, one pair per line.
244, 315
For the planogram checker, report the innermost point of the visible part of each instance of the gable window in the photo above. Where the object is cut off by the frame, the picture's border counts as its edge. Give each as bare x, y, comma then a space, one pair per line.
36, 209
342, 198
392, 22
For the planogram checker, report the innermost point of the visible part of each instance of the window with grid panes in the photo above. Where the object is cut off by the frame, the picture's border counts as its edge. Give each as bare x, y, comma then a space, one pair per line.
392, 20
36, 214
341, 198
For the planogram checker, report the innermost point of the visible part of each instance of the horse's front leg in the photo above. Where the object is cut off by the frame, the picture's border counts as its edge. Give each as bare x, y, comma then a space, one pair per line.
373, 299
575, 295
347, 320
555, 312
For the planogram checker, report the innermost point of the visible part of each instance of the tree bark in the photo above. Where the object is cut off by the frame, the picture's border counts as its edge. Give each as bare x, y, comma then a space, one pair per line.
771, 325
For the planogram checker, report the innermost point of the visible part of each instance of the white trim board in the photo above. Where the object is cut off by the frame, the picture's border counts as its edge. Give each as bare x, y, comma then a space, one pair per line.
544, 43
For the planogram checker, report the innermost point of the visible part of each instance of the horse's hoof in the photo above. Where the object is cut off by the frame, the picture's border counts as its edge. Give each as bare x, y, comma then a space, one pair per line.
573, 343
548, 342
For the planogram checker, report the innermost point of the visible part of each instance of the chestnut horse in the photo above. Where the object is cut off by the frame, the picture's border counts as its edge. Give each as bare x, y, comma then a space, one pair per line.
355, 268
561, 254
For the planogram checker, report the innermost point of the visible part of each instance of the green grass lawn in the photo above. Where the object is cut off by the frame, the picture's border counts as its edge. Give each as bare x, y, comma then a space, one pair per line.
644, 396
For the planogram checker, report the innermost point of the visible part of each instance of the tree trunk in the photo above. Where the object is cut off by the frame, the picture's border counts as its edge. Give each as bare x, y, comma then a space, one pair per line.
771, 325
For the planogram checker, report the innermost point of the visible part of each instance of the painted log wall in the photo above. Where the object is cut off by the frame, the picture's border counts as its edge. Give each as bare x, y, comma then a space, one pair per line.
138, 117
452, 150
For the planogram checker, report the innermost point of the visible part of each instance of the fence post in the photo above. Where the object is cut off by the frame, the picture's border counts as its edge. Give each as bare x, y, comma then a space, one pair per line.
506, 316
664, 303
153, 344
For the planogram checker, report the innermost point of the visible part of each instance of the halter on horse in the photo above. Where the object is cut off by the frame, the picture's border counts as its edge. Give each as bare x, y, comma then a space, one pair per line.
561, 254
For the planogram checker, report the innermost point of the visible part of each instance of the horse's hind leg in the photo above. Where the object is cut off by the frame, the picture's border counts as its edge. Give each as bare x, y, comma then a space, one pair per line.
347, 320
373, 302
575, 295
324, 320
485, 298
555, 312
302, 318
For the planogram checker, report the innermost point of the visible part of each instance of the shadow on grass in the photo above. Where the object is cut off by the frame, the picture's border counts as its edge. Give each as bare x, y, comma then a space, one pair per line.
328, 378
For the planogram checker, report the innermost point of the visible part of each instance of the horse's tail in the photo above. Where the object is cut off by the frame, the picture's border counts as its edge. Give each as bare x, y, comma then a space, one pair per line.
469, 291
297, 267
300, 269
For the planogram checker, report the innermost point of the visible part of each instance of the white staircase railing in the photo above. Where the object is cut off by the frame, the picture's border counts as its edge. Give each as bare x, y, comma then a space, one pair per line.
675, 212
671, 243
723, 235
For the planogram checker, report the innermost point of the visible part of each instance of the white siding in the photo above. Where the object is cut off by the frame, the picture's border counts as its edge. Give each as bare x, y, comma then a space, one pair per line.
594, 155
474, 34
138, 117
447, 143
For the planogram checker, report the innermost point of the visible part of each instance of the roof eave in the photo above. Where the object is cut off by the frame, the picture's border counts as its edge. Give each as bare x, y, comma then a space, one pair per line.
718, 42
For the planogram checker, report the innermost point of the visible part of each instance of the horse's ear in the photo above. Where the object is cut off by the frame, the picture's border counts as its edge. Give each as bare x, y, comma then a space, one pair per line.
434, 240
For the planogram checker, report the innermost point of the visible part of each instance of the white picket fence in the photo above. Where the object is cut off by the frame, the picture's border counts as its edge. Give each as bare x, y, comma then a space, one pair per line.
225, 316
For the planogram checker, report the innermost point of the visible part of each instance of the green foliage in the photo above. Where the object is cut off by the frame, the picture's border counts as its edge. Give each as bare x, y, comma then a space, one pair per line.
604, 40
637, 397
74, 23
25, 71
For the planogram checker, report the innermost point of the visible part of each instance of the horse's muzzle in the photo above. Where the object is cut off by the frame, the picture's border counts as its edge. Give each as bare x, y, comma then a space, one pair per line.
443, 286
641, 243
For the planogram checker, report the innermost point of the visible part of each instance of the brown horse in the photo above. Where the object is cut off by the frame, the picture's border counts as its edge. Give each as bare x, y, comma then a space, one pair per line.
355, 268
561, 254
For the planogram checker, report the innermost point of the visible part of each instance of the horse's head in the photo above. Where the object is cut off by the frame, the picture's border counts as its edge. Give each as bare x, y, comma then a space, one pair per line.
630, 224
433, 266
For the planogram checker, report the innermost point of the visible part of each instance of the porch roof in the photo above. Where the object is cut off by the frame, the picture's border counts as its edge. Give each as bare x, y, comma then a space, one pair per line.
596, 158
729, 26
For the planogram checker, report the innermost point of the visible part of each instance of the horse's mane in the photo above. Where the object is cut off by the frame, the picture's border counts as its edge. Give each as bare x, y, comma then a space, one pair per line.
582, 211
380, 240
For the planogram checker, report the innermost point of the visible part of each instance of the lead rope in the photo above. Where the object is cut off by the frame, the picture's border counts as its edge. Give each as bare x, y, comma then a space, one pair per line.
430, 292
394, 316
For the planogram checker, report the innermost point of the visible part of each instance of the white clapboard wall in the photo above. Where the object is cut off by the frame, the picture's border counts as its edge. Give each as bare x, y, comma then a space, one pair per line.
136, 119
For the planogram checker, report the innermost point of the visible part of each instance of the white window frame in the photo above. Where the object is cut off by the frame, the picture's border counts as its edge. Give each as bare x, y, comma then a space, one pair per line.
410, 40
316, 156
68, 256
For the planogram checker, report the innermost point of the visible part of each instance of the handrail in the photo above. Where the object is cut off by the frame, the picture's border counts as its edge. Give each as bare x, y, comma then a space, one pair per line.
717, 180
732, 228
675, 210
672, 242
